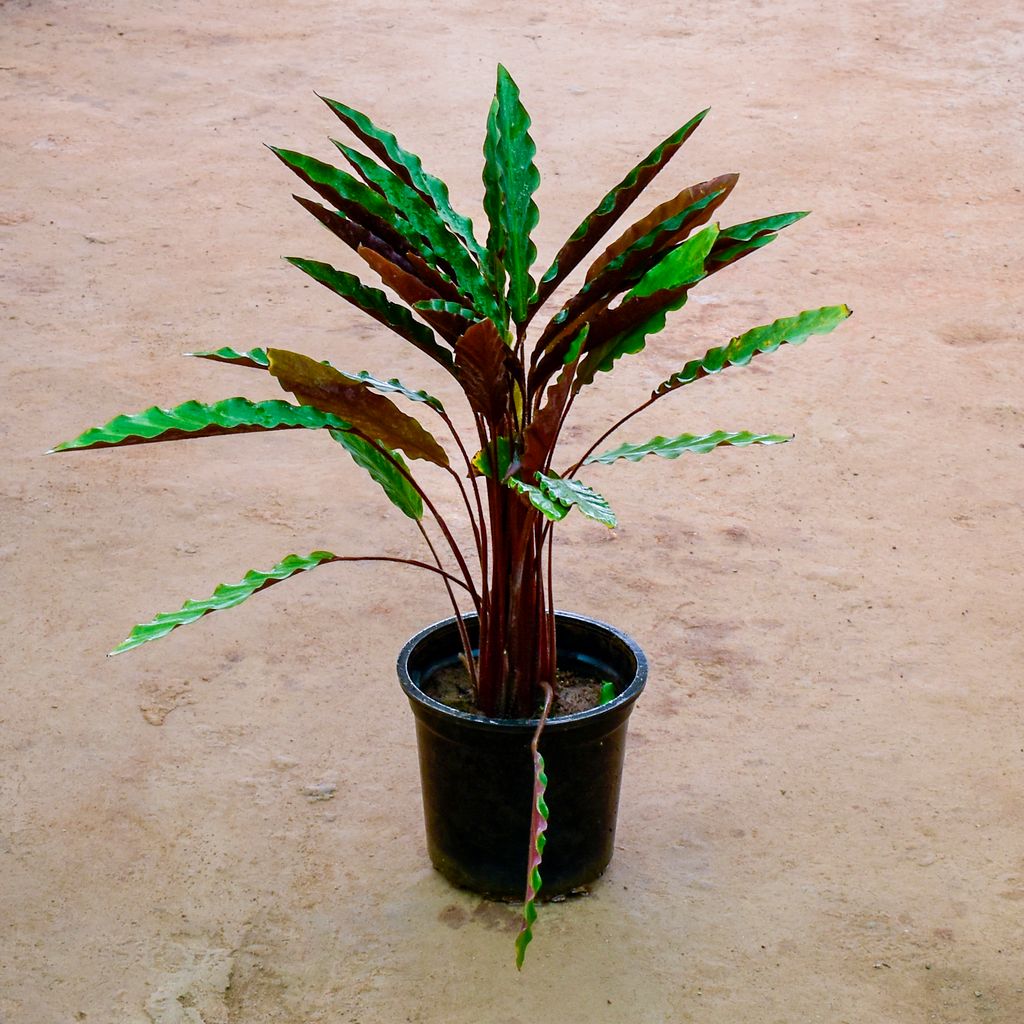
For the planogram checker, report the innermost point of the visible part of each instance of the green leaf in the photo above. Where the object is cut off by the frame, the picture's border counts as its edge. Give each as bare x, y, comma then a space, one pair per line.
614, 204
552, 508
793, 330
384, 471
607, 693
539, 815
198, 419
493, 200
409, 168
673, 447
482, 459
225, 596
374, 302
443, 306
586, 499
517, 178
255, 357
683, 265
737, 241
443, 249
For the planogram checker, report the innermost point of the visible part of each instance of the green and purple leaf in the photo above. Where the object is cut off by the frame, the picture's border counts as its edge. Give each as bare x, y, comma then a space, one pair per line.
614, 204
225, 596
409, 168
792, 330
373, 415
199, 419
511, 180
698, 444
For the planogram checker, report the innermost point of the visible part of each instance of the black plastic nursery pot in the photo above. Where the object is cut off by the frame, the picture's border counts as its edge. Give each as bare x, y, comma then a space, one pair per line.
477, 776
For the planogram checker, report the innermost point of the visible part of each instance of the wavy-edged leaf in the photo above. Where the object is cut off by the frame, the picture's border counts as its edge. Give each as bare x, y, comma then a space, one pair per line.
735, 242
353, 198
792, 330
673, 447
482, 459
539, 815
386, 469
667, 224
408, 167
442, 248
322, 387
375, 303
493, 200
614, 204
199, 419
442, 306
225, 596
625, 329
257, 359
571, 492
484, 365
552, 508
517, 177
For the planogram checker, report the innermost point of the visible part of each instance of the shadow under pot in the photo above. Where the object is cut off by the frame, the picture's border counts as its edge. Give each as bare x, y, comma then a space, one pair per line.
477, 773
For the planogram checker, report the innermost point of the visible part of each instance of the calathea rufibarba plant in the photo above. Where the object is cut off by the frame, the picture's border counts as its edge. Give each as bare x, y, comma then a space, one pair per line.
469, 307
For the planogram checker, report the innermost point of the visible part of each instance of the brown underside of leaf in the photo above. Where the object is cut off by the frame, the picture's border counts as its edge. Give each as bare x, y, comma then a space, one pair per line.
378, 418
482, 364
542, 433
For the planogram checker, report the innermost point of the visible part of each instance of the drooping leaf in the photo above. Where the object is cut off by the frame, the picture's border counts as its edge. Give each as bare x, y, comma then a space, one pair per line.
483, 366
257, 359
442, 249
673, 447
199, 419
225, 596
518, 178
586, 499
377, 417
552, 508
409, 168
374, 302
539, 815
383, 469
792, 330
614, 204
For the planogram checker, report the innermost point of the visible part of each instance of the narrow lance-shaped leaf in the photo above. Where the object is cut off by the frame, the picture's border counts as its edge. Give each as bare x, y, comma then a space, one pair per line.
737, 241
442, 247
673, 447
199, 419
792, 330
409, 168
518, 179
539, 815
257, 359
374, 302
571, 492
493, 200
614, 204
375, 416
387, 469
225, 596
673, 275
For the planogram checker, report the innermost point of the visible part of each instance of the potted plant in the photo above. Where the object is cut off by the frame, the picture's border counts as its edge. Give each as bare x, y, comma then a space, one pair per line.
507, 680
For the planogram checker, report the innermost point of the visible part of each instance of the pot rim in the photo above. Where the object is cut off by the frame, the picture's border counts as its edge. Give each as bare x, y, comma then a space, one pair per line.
622, 700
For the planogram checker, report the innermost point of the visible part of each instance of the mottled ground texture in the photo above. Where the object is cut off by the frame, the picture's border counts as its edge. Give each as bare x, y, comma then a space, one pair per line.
822, 816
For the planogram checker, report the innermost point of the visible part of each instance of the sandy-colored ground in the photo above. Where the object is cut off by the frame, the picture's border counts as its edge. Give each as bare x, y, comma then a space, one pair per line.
822, 819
